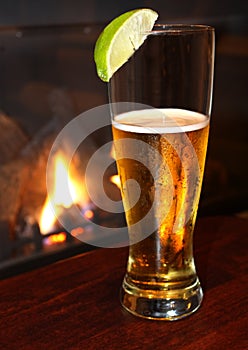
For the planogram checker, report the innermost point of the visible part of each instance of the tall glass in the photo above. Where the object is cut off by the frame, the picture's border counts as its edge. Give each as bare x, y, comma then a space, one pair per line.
161, 104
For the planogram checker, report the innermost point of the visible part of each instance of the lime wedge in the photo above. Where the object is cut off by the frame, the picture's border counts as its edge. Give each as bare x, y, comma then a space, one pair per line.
120, 39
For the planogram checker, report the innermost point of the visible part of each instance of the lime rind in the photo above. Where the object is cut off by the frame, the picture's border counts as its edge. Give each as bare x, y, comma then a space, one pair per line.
127, 33
103, 44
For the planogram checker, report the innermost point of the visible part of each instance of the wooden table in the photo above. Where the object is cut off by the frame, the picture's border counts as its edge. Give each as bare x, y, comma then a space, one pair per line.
73, 304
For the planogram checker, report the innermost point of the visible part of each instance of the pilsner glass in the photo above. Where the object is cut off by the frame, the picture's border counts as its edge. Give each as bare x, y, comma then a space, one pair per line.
160, 105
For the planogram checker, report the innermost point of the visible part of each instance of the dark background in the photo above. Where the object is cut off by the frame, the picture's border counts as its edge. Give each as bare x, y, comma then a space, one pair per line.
225, 186
22, 12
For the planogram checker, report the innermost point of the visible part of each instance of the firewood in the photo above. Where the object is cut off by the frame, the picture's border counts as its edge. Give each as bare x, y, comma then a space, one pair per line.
13, 178
12, 139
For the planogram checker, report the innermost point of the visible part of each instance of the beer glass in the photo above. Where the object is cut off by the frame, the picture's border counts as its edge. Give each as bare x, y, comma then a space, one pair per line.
161, 104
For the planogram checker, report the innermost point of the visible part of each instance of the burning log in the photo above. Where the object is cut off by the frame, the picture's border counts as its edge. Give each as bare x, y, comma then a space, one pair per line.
13, 172
13, 177
12, 139
23, 182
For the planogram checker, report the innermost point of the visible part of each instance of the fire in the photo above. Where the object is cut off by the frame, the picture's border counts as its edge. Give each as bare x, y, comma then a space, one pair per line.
63, 181
66, 192
56, 238
48, 218
116, 180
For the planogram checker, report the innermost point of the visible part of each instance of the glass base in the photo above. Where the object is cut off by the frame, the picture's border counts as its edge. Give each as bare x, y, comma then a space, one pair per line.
162, 305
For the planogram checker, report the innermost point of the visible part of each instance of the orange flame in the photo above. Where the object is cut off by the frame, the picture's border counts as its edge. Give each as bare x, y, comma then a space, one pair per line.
116, 180
47, 218
56, 238
66, 191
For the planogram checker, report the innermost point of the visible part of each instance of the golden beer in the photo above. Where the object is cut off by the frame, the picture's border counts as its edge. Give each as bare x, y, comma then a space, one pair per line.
161, 264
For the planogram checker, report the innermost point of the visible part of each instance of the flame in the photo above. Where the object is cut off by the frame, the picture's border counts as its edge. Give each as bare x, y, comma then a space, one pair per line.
116, 180
56, 238
47, 218
65, 189
66, 192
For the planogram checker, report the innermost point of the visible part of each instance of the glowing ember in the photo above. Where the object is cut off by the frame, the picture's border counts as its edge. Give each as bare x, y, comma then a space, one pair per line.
116, 180
66, 192
77, 231
56, 238
88, 214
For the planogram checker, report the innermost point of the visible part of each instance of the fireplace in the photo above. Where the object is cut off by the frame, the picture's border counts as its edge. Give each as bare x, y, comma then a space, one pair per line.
48, 78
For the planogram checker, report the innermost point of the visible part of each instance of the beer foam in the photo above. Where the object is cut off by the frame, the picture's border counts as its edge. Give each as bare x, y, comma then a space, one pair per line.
160, 121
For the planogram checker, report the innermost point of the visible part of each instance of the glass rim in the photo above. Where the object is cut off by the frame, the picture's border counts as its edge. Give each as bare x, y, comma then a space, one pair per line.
180, 28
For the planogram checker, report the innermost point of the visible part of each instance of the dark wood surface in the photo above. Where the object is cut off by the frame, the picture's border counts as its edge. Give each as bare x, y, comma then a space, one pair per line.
74, 304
